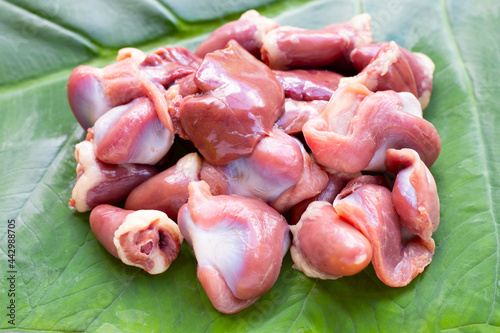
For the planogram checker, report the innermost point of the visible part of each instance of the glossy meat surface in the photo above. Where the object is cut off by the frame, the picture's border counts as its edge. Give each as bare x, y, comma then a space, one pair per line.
239, 243
131, 133
94, 91
414, 193
248, 31
308, 85
167, 191
388, 70
336, 183
327, 247
279, 171
369, 208
353, 181
421, 66
102, 183
306, 94
145, 238
357, 127
297, 113
240, 101
290, 47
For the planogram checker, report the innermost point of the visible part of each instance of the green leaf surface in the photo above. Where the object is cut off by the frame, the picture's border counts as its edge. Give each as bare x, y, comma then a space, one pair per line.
65, 281
111, 23
196, 10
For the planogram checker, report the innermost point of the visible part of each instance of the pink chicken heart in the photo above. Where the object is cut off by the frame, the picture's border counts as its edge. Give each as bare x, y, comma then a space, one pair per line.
239, 243
368, 206
388, 70
357, 127
421, 67
102, 183
414, 193
94, 91
290, 47
279, 171
168, 190
326, 246
145, 238
132, 133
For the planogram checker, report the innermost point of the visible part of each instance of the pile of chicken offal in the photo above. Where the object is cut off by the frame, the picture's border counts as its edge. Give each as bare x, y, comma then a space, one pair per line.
322, 126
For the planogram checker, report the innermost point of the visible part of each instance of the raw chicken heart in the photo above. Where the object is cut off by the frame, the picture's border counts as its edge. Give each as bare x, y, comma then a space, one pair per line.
239, 243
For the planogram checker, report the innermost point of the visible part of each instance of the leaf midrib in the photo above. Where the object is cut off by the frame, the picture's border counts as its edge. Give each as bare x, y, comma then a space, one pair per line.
458, 53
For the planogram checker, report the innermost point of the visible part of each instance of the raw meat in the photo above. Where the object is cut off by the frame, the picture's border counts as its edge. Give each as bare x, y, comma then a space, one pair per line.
327, 247
240, 101
102, 183
290, 47
421, 66
357, 127
239, 243
248, 31
145, 238
168, 190
369, 208
131, 133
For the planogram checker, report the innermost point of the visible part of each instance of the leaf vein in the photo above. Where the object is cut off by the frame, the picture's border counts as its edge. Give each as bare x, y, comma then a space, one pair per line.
52, 285
132, 278
78, 35
481, 138
304, 301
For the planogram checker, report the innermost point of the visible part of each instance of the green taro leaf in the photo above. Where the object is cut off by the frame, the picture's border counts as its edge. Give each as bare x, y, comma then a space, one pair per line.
65, 281
111, 23
196, 10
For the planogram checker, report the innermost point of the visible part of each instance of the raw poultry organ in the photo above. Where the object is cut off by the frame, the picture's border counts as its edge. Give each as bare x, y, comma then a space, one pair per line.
321, 126
239, 243
144, 238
